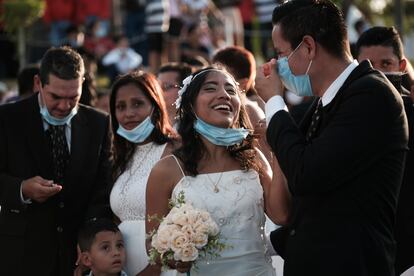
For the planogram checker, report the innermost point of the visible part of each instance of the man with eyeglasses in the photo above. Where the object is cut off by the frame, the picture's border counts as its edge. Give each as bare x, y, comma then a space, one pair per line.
170, 77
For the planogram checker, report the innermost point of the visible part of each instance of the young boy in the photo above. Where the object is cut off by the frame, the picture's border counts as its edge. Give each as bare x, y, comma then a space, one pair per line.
102, 248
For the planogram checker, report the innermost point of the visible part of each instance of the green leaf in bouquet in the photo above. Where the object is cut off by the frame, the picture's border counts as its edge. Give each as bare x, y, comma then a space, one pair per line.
180, 200
155, 217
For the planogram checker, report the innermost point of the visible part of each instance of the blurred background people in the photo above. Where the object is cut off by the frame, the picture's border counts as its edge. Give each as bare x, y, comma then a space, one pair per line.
170, 77
102, 100
382, 46
122, 59
25, 81
157, 23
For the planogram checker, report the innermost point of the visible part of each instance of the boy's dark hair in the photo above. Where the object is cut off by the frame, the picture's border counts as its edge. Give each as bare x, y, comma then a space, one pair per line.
91, 228
381, 36
62, 62
182, 68
320, 19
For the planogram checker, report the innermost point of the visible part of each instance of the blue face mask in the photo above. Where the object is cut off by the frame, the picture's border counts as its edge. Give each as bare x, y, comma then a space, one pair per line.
57, 121
139, 133
220, 136
299, 85
101, 31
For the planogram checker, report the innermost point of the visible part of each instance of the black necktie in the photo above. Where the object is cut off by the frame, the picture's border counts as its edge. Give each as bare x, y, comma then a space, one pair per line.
60, 151
316, 119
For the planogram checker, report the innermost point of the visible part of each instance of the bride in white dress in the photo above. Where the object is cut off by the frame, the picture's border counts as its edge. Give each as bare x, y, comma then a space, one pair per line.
142, 135
219, 170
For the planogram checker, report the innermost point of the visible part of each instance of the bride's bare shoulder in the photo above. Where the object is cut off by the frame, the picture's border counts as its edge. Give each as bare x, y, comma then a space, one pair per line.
167, 170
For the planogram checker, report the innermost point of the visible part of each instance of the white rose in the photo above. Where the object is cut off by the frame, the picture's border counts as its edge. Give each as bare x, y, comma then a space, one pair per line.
187, 253
201, 227
200, 240
167, 228
213, 228
188, 230
205, 216
193, 217
180, 219
161, 240
186, 208
178, 240
161, 243
172, 212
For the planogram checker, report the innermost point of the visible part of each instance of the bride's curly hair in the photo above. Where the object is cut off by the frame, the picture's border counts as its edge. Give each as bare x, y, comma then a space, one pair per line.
192, 148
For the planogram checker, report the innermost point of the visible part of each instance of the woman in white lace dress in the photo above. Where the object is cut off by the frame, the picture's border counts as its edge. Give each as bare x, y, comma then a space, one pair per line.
142, 135
221, 171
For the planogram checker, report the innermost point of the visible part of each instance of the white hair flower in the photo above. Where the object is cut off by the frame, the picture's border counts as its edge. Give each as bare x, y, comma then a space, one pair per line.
186, 83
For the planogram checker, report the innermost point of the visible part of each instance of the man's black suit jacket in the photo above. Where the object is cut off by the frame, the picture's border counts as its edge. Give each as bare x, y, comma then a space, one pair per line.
404, 230
35, 237
345, 181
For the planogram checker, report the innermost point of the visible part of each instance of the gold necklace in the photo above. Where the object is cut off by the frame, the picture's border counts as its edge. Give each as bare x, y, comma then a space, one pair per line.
215, 184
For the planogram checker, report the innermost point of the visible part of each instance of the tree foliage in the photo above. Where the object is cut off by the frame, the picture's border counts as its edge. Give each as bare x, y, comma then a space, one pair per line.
20, 13
386, 16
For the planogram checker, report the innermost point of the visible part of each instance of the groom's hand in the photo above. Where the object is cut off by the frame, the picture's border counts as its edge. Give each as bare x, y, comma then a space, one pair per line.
268, 83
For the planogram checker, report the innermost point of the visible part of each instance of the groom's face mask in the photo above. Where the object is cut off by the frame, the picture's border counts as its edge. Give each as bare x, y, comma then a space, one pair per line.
300, 85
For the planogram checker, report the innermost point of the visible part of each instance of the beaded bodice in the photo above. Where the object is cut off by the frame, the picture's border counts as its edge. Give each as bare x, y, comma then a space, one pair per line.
127, 197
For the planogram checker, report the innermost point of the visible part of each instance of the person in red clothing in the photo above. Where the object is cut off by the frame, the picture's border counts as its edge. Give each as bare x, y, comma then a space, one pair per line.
88, 12
247, 13
60, 15
96, 42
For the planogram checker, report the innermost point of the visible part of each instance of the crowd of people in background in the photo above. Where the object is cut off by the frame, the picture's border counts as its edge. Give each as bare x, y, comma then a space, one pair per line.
140, 107
148, 34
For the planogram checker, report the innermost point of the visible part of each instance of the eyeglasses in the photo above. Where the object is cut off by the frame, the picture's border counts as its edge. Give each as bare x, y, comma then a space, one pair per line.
169, 86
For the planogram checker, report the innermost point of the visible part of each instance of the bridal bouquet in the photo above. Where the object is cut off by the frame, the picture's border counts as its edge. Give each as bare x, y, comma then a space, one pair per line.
186, 234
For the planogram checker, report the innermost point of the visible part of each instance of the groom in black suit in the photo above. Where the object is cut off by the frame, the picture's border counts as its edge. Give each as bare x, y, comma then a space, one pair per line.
54, 170
345, 162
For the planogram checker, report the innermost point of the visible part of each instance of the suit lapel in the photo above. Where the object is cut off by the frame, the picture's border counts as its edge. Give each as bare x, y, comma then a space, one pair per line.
362, 69
36, 138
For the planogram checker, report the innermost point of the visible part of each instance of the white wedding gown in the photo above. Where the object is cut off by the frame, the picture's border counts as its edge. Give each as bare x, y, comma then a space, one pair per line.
234, 199
127, 201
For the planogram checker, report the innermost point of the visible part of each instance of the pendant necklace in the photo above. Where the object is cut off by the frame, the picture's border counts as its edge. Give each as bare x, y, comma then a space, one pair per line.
215, 184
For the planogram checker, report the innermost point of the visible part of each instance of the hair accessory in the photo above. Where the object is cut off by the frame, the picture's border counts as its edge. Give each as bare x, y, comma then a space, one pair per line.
186, 83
